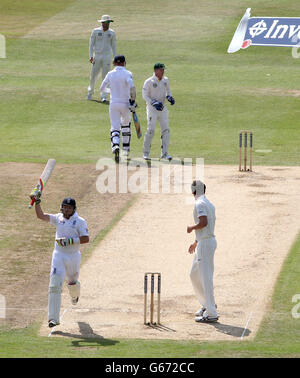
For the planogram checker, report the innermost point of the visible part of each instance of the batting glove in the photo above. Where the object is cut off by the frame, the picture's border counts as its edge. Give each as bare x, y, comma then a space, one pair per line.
157, 105
36, 194
64, 242
171, 100
133, 105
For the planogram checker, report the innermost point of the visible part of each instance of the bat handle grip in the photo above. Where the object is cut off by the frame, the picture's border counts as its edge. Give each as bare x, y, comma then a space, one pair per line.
31, 203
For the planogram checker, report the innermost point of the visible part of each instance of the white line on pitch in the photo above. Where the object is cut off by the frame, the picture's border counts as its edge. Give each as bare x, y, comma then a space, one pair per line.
250, 316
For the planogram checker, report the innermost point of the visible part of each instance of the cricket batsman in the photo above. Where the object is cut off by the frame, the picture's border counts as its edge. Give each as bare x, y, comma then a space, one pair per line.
71, 231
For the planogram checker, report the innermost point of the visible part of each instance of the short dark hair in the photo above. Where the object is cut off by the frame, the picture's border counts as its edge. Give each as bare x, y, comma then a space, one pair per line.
194, 184
159, 65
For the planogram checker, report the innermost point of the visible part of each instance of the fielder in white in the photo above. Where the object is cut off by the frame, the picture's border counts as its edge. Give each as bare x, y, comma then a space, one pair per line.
71, 231
156, 90
202, 270
122, 103
102, 44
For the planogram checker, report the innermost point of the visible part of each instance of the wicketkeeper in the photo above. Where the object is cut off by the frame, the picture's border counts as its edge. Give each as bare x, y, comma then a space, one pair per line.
156, 90
71, 231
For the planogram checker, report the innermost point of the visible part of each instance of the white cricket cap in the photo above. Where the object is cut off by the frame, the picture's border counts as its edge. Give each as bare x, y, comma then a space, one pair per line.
106, 18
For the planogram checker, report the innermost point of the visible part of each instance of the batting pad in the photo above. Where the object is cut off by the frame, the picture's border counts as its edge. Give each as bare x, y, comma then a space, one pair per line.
74, 289
54, 302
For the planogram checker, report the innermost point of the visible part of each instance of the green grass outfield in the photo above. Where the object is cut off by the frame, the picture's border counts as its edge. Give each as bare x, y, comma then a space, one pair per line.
44, 83
43, 113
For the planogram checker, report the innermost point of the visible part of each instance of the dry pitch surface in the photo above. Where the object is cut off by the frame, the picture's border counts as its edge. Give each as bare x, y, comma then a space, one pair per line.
258, 217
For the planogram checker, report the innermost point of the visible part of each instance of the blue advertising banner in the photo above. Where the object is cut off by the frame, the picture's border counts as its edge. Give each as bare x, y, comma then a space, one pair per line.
265, 31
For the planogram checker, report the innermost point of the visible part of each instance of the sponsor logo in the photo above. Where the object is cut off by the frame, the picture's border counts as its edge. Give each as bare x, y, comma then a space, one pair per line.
265, 31
273, 31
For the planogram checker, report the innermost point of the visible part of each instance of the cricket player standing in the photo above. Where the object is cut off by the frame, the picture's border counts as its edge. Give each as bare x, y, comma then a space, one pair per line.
71, 231
102, 43
122, 102
156, 90
205, 245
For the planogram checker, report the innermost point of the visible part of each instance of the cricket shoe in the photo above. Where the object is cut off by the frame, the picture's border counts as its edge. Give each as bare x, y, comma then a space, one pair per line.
74, 301
146, 156
166, 156
116, 152
89, 97
206, 319
201, 311
52, 323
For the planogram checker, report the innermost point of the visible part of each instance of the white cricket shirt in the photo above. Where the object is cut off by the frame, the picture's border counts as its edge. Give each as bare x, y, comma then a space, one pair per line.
119, 80
74, 227
203, 207
102, 42
155, 89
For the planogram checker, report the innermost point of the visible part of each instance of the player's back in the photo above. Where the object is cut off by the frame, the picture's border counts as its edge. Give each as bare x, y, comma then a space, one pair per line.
120, 82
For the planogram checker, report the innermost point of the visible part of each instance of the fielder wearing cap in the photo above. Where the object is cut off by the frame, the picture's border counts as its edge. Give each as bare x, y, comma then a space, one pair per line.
122, 103
156, 90
71, 231
102, 45
202, 270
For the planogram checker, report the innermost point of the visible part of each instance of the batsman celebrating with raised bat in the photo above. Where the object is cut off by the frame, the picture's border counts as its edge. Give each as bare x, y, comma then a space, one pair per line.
71, 231
156, 90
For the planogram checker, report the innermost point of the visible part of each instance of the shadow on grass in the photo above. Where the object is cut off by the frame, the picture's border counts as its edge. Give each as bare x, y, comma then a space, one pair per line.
87, 335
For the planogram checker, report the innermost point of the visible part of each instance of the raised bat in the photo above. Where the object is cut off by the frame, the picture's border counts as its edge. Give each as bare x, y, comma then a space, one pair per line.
137, 125
44, 178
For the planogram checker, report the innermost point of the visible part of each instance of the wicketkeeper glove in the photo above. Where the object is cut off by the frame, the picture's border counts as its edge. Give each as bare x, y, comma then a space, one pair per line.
64, 242
158, 105
171, 100
133, 105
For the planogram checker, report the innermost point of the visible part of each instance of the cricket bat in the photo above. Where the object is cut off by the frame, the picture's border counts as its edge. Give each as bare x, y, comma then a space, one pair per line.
44, 178
137, 125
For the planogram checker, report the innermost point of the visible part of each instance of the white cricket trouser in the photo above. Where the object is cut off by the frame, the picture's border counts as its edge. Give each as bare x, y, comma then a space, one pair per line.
63, 264
100, 64
120, 114
154, 116
202, 272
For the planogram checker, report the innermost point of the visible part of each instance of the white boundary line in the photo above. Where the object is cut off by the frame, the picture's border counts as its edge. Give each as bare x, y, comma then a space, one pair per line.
250, 316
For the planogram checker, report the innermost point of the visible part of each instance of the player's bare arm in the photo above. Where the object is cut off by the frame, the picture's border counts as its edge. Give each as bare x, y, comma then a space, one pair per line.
40, 214
84, 239
192, 247
202, 223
